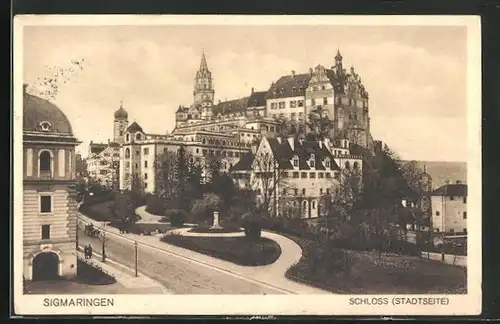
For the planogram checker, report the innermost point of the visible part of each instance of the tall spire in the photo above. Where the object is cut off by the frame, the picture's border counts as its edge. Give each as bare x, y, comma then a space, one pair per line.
203, 64
338, 57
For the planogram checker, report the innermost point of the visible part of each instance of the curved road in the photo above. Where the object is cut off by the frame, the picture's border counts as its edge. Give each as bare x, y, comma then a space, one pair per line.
177, 275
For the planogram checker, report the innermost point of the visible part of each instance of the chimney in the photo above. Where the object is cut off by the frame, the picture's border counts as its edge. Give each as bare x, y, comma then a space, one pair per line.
291, 141
310, 71
253, 89
293, 73
459, 182
25, 86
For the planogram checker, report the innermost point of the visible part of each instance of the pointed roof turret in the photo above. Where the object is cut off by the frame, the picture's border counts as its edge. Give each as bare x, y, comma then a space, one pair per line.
203, 63
338, 57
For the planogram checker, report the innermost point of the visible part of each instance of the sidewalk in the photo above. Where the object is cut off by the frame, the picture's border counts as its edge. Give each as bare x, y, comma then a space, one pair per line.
126, 276
272, 274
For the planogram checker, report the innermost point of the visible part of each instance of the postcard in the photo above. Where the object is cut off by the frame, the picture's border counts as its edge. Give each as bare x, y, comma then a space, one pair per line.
247, 165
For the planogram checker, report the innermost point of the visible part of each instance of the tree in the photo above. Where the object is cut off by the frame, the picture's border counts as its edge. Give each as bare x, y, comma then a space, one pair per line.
166, 180
181, 169
205, 206
123, 209
48, 87
267, 178
319, 123
348, 192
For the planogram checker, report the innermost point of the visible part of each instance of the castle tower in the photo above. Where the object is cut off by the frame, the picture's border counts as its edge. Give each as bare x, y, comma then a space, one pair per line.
120, 124
203, 85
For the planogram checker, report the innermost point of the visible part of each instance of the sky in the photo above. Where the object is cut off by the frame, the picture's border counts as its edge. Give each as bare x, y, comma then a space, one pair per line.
415, 75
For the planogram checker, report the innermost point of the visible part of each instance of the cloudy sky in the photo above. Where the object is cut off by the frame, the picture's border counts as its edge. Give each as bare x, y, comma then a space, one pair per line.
416, 76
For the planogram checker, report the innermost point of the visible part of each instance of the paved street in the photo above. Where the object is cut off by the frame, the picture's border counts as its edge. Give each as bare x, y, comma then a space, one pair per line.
177, 275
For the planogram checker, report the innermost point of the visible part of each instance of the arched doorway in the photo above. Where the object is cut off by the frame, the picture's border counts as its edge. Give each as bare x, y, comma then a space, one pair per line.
46, 266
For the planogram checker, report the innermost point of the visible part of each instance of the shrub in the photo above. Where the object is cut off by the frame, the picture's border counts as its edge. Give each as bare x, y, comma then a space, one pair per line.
177, 217
253, 230
155, 205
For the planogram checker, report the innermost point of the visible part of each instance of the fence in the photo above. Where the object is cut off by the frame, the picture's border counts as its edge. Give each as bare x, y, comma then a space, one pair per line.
452, 259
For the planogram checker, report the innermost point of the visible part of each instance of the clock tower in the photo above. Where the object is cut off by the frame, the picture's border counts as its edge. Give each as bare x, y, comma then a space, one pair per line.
203, 84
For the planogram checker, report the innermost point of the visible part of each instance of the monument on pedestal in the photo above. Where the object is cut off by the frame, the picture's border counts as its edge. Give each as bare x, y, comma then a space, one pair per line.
216, 225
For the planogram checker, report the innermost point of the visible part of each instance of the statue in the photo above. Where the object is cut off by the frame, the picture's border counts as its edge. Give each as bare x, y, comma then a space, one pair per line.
215, 224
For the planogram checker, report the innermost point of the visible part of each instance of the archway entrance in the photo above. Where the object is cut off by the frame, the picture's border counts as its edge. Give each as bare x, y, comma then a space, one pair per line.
46, 266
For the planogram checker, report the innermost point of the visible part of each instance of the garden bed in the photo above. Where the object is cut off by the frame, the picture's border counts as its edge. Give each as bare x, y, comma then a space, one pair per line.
90, 275
363, 272
225, 229
239, 250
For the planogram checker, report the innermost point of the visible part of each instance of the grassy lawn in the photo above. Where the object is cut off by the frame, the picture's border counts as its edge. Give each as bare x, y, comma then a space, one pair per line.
367, 274
225, 229
99, 211
239, 250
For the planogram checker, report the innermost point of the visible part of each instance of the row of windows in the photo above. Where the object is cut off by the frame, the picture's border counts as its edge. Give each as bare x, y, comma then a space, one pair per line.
293, 116
464, 199
292, 104
312, 175
464, 214
46, 164
138, 137
296, 191
206, 152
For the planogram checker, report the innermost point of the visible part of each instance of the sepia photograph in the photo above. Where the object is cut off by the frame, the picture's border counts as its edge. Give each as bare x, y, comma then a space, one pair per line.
237, 165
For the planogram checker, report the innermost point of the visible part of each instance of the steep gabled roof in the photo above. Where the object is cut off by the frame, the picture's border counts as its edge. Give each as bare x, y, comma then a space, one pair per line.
303, 150
456, 189
245, 163
97, 148
289, 86
134, 127
257, 99
231, 106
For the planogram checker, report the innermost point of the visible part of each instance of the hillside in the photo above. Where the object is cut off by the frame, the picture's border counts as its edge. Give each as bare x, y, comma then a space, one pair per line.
443, 171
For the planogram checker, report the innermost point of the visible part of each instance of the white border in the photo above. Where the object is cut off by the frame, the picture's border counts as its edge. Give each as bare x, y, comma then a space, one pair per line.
469, 304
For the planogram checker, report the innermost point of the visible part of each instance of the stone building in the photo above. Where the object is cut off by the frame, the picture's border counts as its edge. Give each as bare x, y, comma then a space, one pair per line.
449, 208
292, 175
103, 160
49, 201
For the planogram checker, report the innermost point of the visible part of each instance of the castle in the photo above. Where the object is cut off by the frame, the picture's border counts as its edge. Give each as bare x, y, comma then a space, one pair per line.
289, 100
228, 129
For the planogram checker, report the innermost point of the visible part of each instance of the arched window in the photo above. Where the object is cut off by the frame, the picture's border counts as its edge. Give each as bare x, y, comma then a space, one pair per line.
355, 165
128, 137
127, 153
45, 162
347, 165
314, 204
138, 137
304, 204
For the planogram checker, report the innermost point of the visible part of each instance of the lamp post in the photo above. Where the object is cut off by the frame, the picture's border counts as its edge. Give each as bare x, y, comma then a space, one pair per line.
103, 241
136, 257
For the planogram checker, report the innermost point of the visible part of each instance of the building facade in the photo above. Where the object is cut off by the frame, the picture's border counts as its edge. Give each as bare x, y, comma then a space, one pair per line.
49, 201
449, 208
292, 177
103, 160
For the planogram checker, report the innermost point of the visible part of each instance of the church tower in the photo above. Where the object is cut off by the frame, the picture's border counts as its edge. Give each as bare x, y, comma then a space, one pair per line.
203, 85
120, 124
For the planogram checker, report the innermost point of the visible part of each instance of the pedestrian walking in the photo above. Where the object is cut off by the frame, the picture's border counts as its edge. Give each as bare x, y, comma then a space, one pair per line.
86, 251
90, 251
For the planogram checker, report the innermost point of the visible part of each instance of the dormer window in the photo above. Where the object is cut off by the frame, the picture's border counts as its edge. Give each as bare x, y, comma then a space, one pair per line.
327, 163
312, 162
138, 137
295, 161
45, 126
